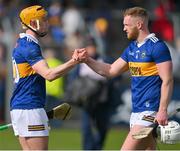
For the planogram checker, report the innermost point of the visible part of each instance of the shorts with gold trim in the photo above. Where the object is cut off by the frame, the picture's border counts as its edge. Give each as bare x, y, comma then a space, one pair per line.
137, 118
30, 123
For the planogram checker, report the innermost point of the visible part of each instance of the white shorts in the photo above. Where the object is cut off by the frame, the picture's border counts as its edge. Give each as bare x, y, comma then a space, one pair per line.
136, 118
30, 123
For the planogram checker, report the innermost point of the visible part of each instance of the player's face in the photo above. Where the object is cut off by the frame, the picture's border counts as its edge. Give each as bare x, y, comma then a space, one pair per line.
44, 26
130, 28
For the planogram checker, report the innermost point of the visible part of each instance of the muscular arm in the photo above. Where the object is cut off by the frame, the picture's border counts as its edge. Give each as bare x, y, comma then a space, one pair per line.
51, 74
108, 70
165, 73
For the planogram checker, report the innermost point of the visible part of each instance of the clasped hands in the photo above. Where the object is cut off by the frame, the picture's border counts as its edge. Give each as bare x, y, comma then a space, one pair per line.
80, 55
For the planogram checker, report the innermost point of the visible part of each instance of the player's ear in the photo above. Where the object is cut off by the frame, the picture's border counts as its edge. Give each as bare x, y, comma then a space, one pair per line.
139, 25
33, 24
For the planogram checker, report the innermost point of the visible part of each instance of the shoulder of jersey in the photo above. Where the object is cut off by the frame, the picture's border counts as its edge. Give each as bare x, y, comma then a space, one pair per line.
154, 39
27, 42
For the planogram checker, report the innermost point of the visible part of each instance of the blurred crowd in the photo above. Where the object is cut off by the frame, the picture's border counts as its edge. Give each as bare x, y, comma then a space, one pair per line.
73, 21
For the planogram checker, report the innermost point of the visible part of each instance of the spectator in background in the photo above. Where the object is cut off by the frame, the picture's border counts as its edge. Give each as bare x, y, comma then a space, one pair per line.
72, 19
55, 12
100, 27
2, 80
98, 23
95, 106
162, 26
72, 42
54, 89
73, 26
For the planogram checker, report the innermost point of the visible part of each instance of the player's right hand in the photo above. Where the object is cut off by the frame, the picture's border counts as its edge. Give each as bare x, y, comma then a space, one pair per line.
80, 55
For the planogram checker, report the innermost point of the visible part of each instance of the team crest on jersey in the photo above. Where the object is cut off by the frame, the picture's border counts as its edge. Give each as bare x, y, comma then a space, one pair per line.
147, 104
143, 54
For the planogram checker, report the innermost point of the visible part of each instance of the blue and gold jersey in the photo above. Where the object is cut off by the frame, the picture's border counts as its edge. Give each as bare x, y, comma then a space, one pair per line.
29, 87
145, 81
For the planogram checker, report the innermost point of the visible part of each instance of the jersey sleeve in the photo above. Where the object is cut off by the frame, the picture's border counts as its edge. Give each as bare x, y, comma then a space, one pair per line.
33, 54
161, 52
124, 55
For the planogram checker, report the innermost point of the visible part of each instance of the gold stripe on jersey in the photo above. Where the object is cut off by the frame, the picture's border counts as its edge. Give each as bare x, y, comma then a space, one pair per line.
36, 127
143, 68
25, 70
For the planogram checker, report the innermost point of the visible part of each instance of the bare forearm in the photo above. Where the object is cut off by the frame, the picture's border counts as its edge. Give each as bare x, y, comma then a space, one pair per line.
166, 92
54, 73
99, 67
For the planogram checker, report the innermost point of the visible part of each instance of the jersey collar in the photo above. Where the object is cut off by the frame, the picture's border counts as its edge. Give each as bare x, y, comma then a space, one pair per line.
147, 38
30, 37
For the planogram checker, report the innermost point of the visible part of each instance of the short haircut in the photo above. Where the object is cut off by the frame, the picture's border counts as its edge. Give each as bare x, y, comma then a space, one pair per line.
137, 12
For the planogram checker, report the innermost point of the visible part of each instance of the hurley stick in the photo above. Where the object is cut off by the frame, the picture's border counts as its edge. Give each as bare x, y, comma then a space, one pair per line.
60, 112
144, 132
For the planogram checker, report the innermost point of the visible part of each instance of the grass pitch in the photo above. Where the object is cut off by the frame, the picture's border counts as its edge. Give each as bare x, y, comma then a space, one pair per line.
70, 139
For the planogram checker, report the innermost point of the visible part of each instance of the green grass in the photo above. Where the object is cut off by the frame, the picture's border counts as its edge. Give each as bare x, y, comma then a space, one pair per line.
70, 139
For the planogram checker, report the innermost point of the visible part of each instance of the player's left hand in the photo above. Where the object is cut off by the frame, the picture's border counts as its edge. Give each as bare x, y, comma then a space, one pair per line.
162, 118
80, 55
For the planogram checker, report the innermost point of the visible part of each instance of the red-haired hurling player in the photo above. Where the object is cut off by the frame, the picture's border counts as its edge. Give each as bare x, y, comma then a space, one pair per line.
30, 70
149, 62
